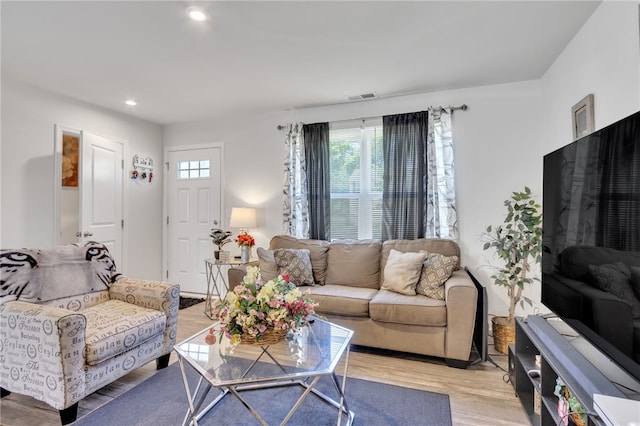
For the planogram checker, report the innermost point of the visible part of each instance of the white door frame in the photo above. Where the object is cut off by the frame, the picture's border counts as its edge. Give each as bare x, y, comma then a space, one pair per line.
165, 197
59, 129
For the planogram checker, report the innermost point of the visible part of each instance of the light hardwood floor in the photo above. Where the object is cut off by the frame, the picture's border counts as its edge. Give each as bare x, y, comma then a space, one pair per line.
479, 395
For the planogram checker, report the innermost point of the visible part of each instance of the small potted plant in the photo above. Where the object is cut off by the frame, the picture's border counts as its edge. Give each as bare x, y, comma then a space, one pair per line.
219, 238
518, 243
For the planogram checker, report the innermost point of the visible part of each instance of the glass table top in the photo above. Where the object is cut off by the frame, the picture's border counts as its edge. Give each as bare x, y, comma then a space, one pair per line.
315, 349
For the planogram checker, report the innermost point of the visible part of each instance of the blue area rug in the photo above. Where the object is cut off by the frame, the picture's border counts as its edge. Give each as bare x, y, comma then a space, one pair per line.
161, 401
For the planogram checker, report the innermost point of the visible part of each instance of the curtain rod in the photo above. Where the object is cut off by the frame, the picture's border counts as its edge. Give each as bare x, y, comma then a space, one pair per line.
462, 107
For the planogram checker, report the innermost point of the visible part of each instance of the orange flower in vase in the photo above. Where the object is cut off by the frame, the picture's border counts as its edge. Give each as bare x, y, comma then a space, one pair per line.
245, 242
245, 239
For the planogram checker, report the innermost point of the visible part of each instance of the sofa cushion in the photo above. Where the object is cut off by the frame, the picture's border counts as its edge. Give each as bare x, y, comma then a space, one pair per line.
295, 263
354, 263
402, 272
267, 264
615, 279
436, 270
116, 326
318, 250
342, 300
431, 245
391, 307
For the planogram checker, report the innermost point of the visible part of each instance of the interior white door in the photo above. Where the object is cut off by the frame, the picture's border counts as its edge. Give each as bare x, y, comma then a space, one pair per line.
101, 171
194, 206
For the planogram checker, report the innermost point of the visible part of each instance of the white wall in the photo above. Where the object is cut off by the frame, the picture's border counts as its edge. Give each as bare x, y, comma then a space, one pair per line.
603, 59
496, 148
28, 118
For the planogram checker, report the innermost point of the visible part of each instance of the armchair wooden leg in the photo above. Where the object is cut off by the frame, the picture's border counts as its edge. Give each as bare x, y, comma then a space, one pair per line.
69, 414
163, 361
4, 392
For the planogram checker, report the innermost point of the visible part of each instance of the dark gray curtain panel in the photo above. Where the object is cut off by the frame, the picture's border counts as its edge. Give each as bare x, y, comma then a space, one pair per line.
619, 200
316, 145
404, 195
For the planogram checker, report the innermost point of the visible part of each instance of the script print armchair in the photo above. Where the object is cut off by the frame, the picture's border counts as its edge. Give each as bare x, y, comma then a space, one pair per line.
70, 324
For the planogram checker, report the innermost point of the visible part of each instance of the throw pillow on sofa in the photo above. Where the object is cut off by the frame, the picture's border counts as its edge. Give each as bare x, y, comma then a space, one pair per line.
402, 271
436, 270
296, 263
267, 264
615, 278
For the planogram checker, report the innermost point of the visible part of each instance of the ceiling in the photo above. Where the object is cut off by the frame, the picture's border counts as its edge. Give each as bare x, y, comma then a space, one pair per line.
253, 57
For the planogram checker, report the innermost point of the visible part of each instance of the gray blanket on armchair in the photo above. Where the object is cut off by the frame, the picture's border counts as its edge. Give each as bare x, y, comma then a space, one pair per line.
41, 275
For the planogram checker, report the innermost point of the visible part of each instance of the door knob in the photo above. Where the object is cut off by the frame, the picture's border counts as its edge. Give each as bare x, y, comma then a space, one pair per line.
88, 234
78, 234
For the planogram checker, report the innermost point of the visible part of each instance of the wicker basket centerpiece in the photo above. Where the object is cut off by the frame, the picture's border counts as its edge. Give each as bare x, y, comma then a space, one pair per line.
271, 336
262, 313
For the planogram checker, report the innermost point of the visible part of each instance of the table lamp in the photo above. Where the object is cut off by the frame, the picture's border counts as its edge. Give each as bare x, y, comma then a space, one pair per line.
243, 218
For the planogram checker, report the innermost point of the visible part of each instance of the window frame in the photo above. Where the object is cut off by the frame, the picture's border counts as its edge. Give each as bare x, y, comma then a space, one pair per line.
366, 196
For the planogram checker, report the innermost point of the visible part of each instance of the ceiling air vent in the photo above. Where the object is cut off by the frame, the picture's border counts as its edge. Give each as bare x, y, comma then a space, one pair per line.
362, 97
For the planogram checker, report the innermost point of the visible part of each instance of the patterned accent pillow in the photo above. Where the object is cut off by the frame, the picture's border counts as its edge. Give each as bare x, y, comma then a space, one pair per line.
615, 278
436, 270
635, 280
296, 263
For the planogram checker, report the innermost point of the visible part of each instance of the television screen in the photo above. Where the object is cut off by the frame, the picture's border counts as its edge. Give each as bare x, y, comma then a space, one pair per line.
591, 239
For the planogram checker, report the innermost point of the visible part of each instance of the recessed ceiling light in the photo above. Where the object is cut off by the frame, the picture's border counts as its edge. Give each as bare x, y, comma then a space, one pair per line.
131, 102
197, 14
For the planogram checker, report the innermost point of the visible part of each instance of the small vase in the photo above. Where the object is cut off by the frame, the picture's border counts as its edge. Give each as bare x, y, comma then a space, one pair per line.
245, 253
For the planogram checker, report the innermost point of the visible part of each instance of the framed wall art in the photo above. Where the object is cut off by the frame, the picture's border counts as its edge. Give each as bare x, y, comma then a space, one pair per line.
70, 152
582, 117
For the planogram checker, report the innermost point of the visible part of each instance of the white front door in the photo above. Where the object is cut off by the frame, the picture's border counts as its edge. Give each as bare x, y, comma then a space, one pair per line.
101, 209
194, 206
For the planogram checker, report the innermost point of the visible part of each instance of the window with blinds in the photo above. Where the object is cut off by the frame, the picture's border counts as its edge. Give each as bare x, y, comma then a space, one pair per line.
356, 167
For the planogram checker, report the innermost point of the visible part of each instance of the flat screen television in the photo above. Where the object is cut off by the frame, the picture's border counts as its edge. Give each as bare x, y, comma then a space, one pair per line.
591, 239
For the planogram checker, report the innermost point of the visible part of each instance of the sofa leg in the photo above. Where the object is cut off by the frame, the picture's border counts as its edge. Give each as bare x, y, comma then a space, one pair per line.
4, 392
69, 414
162, 361
456, 363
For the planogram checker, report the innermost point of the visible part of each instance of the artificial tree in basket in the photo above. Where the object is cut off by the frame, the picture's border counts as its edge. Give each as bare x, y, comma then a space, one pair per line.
518, 242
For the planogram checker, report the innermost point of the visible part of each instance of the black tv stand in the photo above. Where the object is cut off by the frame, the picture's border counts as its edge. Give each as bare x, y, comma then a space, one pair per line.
535, 336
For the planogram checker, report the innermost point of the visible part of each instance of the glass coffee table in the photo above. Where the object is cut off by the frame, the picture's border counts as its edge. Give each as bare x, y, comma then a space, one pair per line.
300, 360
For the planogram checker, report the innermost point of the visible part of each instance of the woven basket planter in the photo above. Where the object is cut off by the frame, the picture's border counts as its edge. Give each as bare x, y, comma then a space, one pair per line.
504, 334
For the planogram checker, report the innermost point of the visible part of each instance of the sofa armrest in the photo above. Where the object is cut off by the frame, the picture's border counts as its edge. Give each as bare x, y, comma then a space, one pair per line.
42, 352
461, 298
611, 316
161, 296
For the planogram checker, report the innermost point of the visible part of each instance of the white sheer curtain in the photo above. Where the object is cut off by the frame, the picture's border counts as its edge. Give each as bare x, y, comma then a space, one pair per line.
295, 215
442, 217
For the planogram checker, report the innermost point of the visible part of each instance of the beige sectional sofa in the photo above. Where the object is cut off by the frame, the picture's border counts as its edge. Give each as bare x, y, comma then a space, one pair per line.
351, 290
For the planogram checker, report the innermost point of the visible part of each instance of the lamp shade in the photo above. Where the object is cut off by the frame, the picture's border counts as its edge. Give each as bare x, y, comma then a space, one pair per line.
243, 217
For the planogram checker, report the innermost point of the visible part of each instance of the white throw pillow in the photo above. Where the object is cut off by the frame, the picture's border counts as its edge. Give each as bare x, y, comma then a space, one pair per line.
402, 271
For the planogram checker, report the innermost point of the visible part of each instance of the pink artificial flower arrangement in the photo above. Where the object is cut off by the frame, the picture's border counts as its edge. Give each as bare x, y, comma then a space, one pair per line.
256, 306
